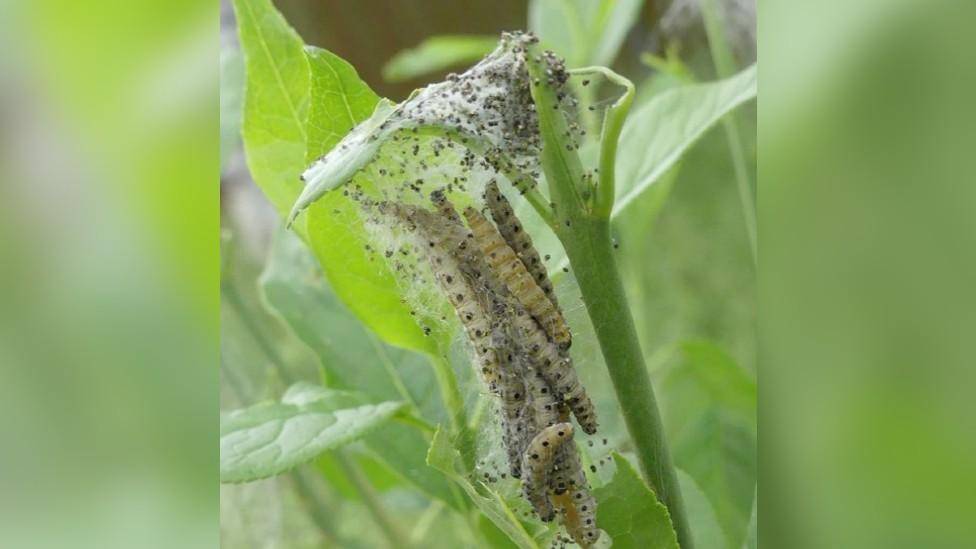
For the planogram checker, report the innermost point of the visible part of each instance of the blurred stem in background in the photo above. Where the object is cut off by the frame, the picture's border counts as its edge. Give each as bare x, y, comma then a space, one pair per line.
725, 66
387, 525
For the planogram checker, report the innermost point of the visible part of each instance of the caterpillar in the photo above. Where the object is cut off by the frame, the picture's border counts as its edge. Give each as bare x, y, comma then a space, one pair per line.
438, 236
512, 231
537, 464
516, 278
558, 371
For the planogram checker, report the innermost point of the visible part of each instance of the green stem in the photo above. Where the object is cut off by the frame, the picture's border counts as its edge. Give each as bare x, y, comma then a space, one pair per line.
454, 402
613, 123
586, 238
590, 248
388, 527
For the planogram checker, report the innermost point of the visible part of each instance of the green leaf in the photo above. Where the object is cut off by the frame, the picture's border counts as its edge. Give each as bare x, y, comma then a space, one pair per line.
336, 231
231, 100
275, 101
585, 33
271, 438
352, 357
630, 514
437, 53
362, 145
659, 132
704, 525
340, 101
278, 91
443, 457
710, 416
557, 24
613, 19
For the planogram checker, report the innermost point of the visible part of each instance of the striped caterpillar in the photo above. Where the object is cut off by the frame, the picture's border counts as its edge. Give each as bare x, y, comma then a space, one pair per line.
438, 239
558, 371
516, 278
511, 230
579, 507
537, 465
503, 312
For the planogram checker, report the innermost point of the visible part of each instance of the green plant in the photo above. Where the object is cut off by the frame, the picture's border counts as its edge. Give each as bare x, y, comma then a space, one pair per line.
300, 102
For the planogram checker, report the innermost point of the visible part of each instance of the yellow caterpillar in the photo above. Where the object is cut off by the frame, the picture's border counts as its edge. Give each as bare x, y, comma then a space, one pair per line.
537, 465
516, 278
558, 371
512, 231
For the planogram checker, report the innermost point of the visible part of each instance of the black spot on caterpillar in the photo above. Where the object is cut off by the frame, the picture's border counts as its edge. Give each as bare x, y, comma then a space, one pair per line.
511, 230
558, 371
439, 235
516, 278
579, 508
537, 465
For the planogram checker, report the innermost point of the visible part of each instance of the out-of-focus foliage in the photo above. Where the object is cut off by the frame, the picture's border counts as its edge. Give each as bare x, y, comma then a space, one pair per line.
710, 414
109, 262
585, 33
705, 527
437, 53
868, 260
656, 134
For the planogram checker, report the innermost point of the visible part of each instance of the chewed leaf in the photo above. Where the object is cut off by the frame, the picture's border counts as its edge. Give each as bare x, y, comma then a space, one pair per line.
354, 152
273, 437
630, 512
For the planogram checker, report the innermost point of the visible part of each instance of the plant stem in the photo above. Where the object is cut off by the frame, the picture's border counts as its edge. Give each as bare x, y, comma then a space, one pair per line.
613, 123
317, 508
585, 234
230, 295
589, 248
451, 394
390, 530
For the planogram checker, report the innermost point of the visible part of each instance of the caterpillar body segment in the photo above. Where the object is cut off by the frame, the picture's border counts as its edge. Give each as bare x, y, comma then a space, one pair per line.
512, 231
517, 428
516, 278
544, 404
557, 369
562, 475
537, 465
